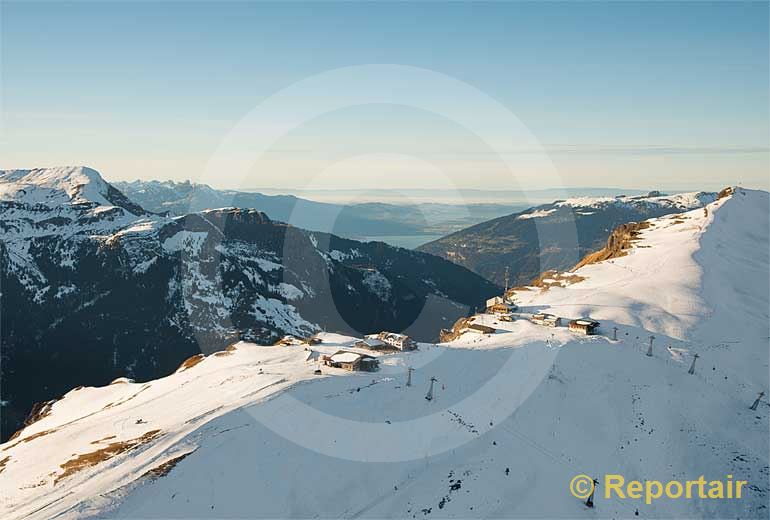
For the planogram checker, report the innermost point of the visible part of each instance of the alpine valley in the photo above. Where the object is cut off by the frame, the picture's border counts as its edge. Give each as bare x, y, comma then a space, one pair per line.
95, 287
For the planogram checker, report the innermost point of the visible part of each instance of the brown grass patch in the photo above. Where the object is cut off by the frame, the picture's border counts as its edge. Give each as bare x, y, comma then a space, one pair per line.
27, 439
164, 469
102, 440
36, 435
555, 279
191, 362
223, 353
88, 460
3, 462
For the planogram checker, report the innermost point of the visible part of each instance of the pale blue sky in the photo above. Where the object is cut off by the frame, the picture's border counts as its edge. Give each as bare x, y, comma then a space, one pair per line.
652, 95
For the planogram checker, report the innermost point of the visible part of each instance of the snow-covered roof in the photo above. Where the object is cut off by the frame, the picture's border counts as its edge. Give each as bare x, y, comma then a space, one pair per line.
345, 357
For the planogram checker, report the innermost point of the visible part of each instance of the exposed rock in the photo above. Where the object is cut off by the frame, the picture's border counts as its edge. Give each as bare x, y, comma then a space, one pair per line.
621, 239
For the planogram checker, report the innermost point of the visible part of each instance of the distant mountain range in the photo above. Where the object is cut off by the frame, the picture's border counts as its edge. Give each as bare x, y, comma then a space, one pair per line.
96, 287
368, 220
492, 195
552, 236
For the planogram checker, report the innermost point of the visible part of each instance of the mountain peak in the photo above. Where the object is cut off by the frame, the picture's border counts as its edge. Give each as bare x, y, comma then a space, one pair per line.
74, 185
77, 182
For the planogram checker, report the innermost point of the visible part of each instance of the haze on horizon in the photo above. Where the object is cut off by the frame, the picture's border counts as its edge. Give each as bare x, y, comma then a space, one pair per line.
669, 96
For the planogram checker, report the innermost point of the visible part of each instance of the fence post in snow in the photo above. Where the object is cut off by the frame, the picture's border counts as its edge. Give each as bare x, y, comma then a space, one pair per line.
614, 333
649, 350
409, 376
756, 401
429, 396
692, 367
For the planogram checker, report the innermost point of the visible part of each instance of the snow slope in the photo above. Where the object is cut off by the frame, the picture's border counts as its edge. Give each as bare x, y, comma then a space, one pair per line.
681, 201
515, 414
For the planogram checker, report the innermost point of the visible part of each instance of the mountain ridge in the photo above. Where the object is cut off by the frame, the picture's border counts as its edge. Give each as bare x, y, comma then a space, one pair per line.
552, 236
352, 220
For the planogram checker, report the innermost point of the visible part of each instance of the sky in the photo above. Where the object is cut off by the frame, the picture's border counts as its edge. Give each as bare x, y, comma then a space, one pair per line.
504, 95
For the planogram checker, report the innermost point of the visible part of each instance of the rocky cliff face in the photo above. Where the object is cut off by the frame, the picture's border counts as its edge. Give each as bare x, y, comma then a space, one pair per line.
618, 243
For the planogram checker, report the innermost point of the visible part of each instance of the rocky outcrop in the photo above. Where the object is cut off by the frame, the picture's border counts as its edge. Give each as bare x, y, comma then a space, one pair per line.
39, 410
725, 192
621, 239
447, 335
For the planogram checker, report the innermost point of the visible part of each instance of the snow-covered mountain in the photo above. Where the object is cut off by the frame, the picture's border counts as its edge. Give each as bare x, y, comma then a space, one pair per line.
73, 203
552, 236
66, 188
95, 287
252, 432
181, 198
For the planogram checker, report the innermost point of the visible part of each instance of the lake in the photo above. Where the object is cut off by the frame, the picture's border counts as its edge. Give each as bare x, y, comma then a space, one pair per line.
405, 241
